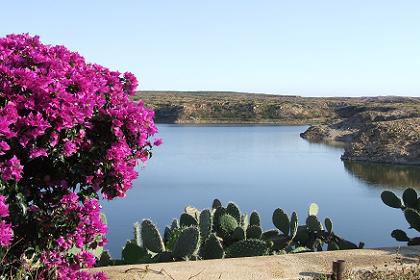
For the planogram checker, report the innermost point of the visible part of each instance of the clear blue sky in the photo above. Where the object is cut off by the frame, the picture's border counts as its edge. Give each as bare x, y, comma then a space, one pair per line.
312, 47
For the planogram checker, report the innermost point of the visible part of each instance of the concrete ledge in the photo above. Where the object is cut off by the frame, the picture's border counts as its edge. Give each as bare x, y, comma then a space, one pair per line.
291, 266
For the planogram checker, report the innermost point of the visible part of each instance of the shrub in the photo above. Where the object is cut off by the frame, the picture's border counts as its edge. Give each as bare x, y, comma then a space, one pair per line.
68, 132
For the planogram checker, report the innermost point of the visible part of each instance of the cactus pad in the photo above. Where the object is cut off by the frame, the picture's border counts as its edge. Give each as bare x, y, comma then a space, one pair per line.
186, 220
281, 221
328, 225
247, 248
133, 253
151, 237
187, 243
212, 248
205, 222
313, 209
233, 210
390, 199
253, 232
254, 219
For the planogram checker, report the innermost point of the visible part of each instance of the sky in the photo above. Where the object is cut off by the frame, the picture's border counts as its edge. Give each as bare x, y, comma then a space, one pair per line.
299, 47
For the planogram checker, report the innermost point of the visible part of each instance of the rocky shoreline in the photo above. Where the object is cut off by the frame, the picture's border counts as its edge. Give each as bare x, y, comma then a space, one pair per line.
383, 137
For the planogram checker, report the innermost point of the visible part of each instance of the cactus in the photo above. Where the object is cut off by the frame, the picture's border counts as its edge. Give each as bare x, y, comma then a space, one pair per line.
293, 225
187, 243
267, 235
281, 221
253, 232
238, 234
205, 222
333, 246
400, 235
105, 259
136, 233
212, 248
413, 218
244, 221
192, 211
216, 217
328, 225
313, 209
390, 199
208, 234
132, 253
163, 257
174, 224
247, 248
173, 238
216, 204
233, 210
186, 220
151, 238
227, 225
254, 219
410, 198
313, 223
411, 210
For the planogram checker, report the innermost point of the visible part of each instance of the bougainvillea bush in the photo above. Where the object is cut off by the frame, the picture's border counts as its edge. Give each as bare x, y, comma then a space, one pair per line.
69, 133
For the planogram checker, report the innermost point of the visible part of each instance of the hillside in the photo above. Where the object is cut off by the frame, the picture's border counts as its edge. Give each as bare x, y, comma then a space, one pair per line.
377, 129
236, 107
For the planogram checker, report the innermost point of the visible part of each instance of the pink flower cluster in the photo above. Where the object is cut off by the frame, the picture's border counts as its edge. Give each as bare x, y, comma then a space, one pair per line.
53, 104
89, 233
69, 130
6, 232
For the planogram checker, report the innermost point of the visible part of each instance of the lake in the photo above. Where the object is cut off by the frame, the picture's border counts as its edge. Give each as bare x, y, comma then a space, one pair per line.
260, 168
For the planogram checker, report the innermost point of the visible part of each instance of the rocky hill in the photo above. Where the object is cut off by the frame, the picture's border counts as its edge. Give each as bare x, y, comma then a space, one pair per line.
376, 129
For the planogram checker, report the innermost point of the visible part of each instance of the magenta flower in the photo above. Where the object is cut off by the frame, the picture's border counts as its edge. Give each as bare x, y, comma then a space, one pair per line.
68, 130
38, 152
12, 169
4, 208
86, 258
158, 142
6, 234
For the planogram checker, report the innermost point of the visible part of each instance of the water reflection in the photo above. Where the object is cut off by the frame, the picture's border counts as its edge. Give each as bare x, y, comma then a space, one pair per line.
383, 175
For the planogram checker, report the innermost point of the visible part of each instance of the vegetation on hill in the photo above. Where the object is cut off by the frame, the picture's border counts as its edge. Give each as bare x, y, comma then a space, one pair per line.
377, 129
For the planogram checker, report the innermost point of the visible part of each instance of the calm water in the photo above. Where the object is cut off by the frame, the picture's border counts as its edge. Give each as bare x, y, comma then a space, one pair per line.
260, 168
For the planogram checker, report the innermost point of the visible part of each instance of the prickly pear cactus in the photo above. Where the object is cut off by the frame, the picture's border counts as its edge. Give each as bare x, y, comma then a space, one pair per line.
205, 222
173, 238
133, 253
313, 209
105, 259
244, 221
328, 225
313, 223
137, 234
186, 220
247, 248
151, 238
212, 248
411, 210
254, 219
390, 199
293, 225
281, 221
253, 232
187, 243
227, 225
233, 210
174, 224
216, 204
238, 234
